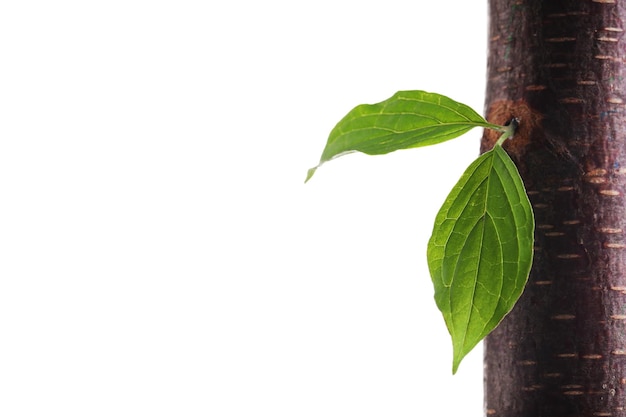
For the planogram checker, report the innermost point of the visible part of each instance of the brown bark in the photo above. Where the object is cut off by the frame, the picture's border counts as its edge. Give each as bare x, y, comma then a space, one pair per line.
559, 66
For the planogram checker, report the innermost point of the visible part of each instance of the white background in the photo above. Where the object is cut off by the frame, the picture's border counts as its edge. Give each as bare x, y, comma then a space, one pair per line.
159, 252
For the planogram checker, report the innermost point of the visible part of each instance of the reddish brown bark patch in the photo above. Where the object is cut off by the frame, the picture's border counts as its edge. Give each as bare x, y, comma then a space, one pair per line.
501, 112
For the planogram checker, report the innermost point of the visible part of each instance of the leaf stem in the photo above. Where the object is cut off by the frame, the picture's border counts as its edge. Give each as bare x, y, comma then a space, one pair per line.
509, 131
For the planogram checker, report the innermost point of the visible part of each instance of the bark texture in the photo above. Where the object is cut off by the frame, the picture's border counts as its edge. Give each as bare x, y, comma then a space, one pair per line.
559, 66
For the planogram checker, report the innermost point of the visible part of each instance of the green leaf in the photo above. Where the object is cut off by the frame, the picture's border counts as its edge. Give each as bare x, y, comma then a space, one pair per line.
409, 119
481, 250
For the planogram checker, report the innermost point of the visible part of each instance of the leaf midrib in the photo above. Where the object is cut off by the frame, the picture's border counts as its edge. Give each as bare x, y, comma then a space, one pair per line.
481, 219
463, 124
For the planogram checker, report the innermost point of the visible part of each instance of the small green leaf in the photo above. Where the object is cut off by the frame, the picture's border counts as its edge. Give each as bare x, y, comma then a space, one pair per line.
409, 119
481, 250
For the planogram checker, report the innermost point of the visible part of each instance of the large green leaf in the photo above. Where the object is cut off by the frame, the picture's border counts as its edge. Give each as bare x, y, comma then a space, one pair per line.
481, 250
409, 119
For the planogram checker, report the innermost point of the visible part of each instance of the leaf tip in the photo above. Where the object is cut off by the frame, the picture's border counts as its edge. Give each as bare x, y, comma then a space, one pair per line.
309, 174
458, 356
455, 364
